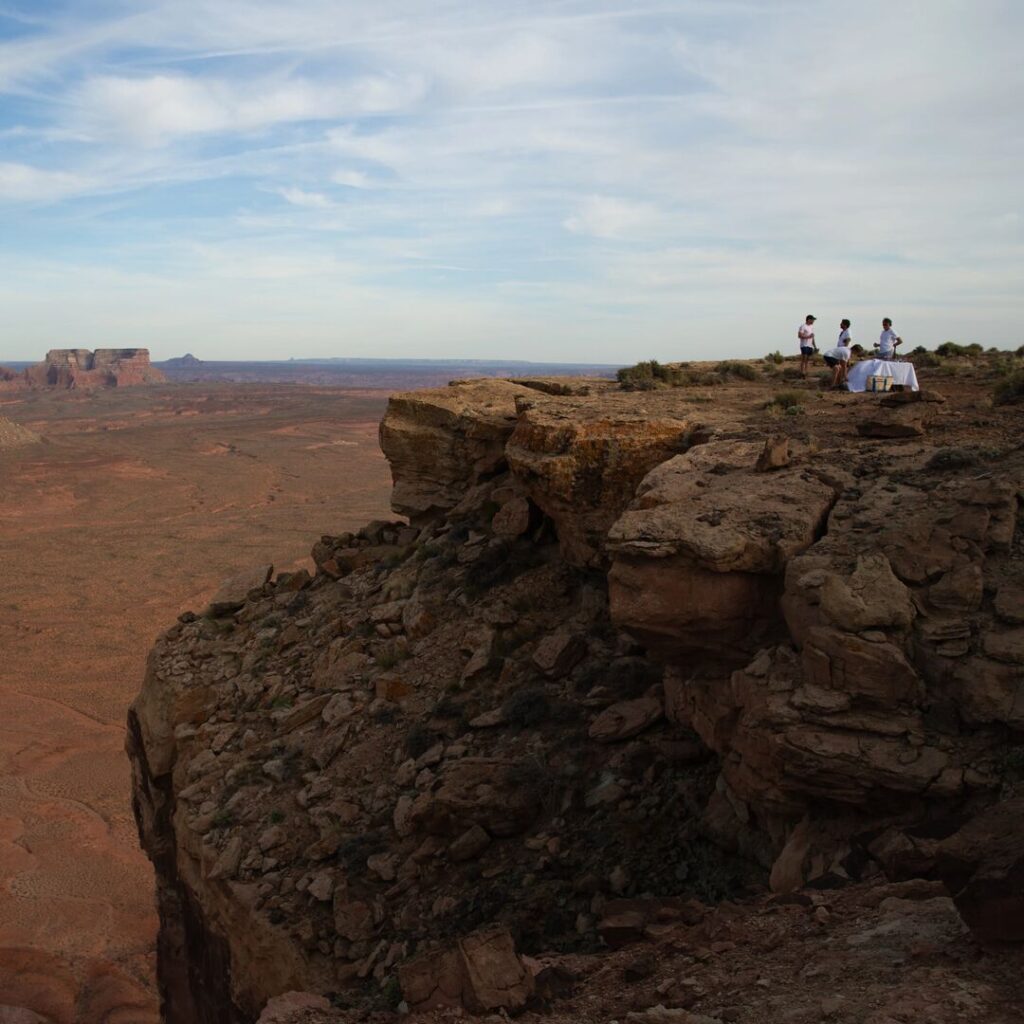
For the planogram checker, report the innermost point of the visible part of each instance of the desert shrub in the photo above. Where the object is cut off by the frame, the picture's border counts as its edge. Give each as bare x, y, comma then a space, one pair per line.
526, 707
648, 375
354, 850
924, 358
1010, 763
1010, 390
744, 371
1020, 351
918, 351
705, 378
784, 400
776, 358
951, 348
533, 775
391, 655
951, 458
791, 373
449, 707
223, 819
418, 740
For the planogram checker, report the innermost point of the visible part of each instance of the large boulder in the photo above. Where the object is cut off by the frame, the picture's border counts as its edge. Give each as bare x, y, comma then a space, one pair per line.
699, 555
443, 441
580, 461
982, 865
482, 973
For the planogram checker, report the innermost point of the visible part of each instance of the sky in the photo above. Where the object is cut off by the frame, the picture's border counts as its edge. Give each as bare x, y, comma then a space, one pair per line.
561, 180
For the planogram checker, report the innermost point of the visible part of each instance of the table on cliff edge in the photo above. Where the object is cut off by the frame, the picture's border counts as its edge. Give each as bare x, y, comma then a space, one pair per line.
901, 373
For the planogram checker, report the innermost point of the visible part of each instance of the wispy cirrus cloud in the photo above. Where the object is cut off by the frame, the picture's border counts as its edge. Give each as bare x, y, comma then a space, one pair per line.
583, 173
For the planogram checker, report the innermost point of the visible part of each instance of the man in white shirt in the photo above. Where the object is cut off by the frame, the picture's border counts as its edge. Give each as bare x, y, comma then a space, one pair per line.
805, 335
838, 358
888, 341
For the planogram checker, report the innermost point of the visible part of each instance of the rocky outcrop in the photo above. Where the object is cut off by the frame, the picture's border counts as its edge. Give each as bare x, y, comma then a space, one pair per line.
443, 443
512, 724
82, 368
897, 683
699, 556
580, 462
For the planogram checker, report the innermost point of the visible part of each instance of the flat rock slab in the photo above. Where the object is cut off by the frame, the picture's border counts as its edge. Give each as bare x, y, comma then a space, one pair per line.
234, 591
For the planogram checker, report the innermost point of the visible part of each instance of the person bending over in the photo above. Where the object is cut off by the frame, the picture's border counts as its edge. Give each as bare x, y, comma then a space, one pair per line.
805, 335
888, 340
838, 358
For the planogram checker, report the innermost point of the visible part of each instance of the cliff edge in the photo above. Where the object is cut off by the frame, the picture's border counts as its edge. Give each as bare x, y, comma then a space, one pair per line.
664, 687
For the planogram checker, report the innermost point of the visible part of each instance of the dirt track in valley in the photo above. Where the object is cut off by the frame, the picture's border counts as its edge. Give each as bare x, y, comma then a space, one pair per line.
134, 507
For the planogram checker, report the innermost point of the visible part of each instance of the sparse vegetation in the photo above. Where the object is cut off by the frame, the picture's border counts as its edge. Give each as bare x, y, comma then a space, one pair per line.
393, 654
783, 401
419, 740
950, 459
525, 708
731, 368
649, 375
1010, 390
951, 348
776, 358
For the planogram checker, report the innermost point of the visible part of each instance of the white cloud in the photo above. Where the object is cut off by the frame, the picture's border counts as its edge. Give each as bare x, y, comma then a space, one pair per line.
352, 179
610, 217
157, 109
310, 200
23, 183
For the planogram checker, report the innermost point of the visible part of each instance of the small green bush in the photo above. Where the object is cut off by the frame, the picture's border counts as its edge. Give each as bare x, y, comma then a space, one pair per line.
918, 351
648, 375
786, 400
526, 707
775, 357
1010, 390
419, 740
734, 369
951, 348
927, 360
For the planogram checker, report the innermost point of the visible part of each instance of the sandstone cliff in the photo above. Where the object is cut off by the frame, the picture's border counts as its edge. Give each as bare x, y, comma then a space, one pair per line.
616, 629
82, 368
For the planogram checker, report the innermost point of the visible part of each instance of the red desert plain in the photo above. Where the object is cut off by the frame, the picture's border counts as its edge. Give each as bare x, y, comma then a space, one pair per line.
131, 509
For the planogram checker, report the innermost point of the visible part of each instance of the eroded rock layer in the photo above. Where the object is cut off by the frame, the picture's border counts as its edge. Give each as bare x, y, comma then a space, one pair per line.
609, 635
82, 368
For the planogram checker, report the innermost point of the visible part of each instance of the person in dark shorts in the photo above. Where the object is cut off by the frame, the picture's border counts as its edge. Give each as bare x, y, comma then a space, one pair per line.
805, 335
837, 359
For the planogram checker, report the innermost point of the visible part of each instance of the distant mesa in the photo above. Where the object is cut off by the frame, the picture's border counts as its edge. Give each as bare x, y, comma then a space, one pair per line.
66, 368
179, 362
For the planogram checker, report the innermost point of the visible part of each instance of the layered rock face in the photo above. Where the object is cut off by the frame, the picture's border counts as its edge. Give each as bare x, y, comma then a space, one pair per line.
615, 626
82, 368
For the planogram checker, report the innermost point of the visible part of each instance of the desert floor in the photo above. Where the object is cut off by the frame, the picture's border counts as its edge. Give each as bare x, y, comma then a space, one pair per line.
131, 511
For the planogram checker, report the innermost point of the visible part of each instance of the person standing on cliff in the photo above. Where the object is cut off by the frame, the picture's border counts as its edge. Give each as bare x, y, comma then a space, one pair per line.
887, 341
805, 335
837, 359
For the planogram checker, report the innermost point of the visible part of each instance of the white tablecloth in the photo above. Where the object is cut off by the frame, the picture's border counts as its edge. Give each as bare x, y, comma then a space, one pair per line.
901, 373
